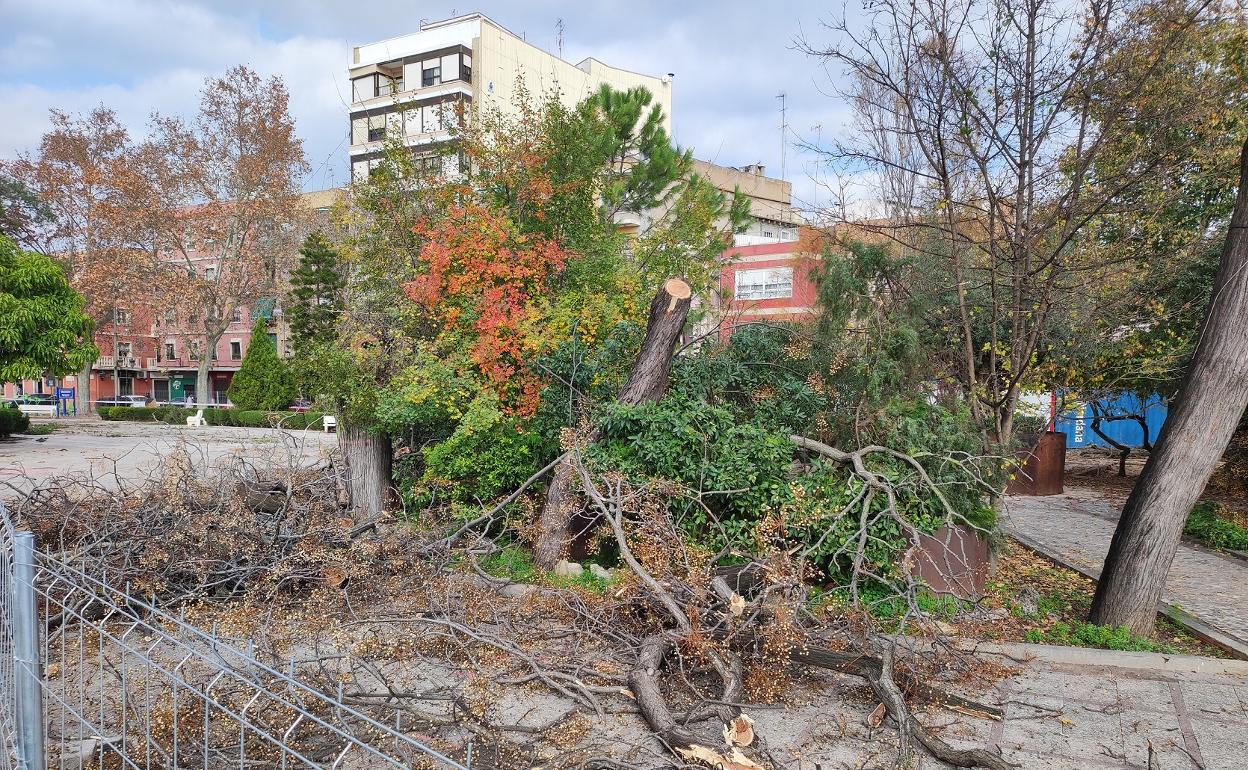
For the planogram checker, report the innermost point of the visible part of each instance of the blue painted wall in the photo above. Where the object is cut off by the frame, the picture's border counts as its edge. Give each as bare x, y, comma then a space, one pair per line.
1077, 423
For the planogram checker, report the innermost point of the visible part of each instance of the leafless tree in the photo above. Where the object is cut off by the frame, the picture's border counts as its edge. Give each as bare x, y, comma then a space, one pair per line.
982, 127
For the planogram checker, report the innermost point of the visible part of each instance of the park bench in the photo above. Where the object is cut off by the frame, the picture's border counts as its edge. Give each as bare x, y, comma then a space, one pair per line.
44, 410
197, 420
330, 423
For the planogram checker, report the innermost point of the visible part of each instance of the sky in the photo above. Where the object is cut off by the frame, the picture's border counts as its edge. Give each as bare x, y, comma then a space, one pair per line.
730, 59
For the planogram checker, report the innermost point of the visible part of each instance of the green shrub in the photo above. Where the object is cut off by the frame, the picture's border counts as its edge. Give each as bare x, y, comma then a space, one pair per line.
12, 421
1206, 525
263, 381
301, 420
487, 454
704, 448
252, 418
226, 417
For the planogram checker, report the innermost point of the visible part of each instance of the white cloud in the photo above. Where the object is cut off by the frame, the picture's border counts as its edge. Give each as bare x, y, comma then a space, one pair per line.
140, 56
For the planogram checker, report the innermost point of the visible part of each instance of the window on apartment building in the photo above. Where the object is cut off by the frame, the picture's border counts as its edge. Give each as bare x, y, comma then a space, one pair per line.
374, 85
237, 315
236, 350
170, 352
429, 163
376, 134
171, 317
465, 67
210, 273
764, 283
121, 317
431, 75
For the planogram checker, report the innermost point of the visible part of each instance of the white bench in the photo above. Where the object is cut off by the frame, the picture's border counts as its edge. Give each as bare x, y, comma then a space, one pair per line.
331, 423
197, 420
45, 410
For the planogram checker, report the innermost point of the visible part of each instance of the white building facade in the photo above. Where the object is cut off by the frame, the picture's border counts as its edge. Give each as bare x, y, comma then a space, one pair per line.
411, 88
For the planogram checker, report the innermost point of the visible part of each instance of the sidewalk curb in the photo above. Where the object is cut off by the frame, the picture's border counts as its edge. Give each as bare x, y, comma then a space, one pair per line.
1093, 656
1198, 628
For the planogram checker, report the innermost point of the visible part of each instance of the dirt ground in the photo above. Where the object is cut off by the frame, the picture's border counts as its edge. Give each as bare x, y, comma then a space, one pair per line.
1096, 469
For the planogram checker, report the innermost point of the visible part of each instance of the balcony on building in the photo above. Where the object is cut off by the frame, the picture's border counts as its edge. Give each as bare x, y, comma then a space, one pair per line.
410, 75
117, 362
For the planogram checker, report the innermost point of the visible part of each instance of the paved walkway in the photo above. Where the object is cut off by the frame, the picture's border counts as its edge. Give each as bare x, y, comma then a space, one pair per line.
112, 452
1076, 528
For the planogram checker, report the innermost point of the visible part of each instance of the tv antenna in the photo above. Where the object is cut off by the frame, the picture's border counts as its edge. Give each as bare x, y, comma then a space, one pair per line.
559, 36
784, 127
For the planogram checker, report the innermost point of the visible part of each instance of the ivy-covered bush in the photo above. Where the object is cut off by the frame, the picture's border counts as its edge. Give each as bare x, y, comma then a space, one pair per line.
764, 373
740, 469
12, 421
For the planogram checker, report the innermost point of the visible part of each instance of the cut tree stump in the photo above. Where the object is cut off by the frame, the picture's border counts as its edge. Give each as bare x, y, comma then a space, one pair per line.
646, 382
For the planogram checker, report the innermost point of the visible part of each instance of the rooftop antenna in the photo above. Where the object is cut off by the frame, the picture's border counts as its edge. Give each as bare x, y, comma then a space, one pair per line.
559, 36
784, 127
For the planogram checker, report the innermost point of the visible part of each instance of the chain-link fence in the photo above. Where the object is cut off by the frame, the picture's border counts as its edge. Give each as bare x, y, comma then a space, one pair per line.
94, 676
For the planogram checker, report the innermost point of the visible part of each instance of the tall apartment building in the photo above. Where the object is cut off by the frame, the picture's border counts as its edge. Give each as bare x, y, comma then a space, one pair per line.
411, 87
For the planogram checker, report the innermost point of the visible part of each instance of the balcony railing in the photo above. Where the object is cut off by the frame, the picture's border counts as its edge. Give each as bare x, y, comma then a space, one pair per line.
117, 362
153, 363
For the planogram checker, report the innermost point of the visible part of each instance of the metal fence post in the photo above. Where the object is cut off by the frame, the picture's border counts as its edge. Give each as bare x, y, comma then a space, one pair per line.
30, 751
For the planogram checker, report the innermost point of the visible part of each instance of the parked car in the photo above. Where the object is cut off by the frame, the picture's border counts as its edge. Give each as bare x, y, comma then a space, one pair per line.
123, 401
33, 399
301, 405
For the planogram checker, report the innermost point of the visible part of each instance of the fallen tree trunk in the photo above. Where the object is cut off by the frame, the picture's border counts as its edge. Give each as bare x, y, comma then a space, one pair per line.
647, 382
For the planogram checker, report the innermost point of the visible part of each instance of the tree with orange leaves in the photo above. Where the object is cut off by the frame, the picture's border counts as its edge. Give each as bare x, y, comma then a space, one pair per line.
222, 201
482, 283
79, 174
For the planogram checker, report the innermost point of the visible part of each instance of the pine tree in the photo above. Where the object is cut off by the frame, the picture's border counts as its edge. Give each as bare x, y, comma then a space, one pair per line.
263, 381
315, 300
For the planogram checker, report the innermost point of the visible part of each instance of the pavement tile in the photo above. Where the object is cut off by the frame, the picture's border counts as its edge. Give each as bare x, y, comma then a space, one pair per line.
1076, 527
1222, 746
1215, 700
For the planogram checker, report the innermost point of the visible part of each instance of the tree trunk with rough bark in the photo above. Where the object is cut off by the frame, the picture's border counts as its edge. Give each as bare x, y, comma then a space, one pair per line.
82, 390
647, 382
367, 457
1197, 431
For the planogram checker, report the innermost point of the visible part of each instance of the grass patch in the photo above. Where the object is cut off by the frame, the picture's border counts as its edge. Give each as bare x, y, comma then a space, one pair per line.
1210, 523
41, 428
516, 564
1084, 634
886, 606
513, 563
1062, 598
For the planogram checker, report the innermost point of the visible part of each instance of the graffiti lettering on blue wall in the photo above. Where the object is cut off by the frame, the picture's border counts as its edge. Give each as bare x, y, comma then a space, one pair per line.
1124, 417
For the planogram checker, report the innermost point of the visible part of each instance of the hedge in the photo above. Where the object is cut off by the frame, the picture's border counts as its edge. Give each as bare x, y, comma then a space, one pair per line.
12, 421
245, 418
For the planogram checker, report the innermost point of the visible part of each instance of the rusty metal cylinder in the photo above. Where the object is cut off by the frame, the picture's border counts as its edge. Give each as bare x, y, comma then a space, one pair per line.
1042, 464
